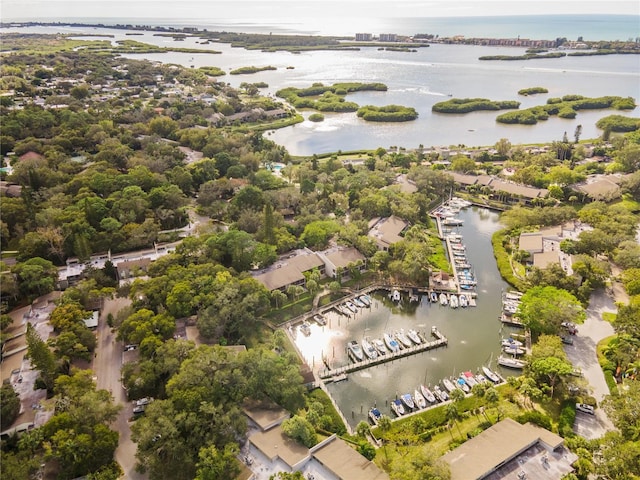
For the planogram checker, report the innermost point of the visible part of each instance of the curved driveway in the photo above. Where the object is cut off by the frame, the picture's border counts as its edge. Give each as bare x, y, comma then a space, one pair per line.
582, 355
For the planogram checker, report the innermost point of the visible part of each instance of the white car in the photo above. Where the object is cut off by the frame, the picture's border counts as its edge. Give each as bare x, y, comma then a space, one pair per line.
583, 407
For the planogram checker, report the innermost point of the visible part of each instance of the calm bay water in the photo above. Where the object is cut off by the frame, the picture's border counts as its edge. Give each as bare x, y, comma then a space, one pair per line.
419, 80
474, 333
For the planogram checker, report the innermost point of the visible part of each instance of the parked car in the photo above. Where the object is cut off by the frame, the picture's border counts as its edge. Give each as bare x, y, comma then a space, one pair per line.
567, 340
131, 346
139, 409
583, 407
144, 401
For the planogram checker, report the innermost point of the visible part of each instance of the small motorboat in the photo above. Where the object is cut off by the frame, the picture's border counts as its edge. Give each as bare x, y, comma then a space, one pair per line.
481, 378
365, 299
427, 394
375, 415
440, 394
319, 319
448, 384
397, 407
464, 301
453, 301
380, 347
490, 374
395, 296
351, 307
414, 337
443, 299
511, 362
511, 342
305, 328
469, 378
403, 339
433, 297
421, 402
407, 399
391, 343
462, 385
358, 303
355, 351
369, 349
514, 350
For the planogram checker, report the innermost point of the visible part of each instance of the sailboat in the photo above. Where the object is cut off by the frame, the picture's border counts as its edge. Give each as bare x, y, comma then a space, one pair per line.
427, 394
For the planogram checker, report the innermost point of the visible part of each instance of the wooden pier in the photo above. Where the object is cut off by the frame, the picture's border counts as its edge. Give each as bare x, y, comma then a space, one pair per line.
332, 373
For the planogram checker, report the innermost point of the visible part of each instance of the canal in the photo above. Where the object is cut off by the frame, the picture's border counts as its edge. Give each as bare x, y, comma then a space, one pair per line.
474, 333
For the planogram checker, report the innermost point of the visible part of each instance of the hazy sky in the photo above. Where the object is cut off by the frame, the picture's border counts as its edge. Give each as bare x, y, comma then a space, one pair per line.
43, 9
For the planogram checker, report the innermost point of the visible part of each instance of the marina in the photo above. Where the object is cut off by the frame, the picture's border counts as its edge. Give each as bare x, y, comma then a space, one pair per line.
473, 337
360, 363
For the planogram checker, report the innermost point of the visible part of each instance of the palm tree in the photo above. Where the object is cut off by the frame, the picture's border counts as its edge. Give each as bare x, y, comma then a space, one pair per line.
384, 424
493, 399
453, 415
363, 429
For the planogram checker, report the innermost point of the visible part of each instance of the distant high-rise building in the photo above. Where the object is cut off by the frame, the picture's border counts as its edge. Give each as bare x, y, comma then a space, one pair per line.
363, 37
388, 37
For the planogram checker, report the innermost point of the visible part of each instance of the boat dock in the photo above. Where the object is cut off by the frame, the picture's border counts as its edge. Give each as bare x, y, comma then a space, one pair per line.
334, 373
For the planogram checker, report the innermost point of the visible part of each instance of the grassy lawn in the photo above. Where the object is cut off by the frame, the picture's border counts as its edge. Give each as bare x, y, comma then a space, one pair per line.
291, 310
609, 316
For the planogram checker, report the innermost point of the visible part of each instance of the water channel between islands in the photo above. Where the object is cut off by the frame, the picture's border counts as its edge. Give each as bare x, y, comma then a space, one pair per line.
473, 333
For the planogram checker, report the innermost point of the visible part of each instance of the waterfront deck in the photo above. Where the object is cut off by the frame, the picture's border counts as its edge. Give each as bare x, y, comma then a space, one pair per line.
333, 373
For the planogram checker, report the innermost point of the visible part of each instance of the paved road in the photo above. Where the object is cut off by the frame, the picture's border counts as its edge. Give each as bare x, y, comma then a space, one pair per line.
583, 356
107, 365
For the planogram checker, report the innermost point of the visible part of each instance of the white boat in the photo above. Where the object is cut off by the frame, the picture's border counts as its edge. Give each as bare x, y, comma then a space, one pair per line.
462, 385
510, 362
341, 309
427, 394
403, 339
448, 384
511, 342
481, 378
366, 300
375, 415
490, 374
443, 299
453, 301
380, 347
464, 301
319, 319
433, 297
469, 378
458, 246
414, 337
358, 302
440, 394
391, 343
421, 402
355, 351
305, 328
369, 349
407, 399
351, 307
397, 407
514, 350
452, 221
395, 296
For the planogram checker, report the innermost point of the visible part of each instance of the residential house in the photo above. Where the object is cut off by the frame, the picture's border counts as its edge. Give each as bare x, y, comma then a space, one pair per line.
289, 270
509, 447
530, 242
339, 259
387, 231
274, 451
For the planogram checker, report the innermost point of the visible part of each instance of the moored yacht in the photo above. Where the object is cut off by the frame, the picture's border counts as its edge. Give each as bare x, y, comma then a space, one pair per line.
369, 349
414, 337
380, 347
355, 351
391, 343
427, 394
421, 402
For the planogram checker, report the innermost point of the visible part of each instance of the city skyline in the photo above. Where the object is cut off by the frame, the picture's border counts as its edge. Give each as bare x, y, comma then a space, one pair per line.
253, 9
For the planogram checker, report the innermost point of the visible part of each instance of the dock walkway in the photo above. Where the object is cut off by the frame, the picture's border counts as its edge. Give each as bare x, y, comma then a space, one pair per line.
335, 373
